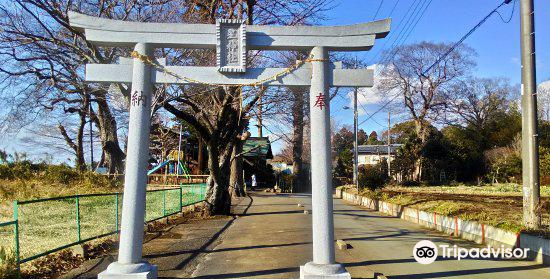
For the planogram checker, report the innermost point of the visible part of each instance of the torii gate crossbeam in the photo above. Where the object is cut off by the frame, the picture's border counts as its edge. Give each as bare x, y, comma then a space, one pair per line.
231, 39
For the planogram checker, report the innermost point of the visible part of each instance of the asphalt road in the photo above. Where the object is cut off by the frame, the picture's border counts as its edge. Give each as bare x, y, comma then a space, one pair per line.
271, 238
274, 238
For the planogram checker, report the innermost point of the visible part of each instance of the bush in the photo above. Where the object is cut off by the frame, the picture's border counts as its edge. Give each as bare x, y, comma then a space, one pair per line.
285, 182
410, 183
23, 180
8, 264
504, 165
373, 176
62, 174
6, 172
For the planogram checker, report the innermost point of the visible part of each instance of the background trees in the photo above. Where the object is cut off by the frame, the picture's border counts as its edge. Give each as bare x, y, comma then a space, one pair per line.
220, 114
425, 95
481, 119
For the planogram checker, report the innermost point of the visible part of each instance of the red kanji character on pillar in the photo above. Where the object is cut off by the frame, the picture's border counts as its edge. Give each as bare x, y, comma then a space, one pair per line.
134, 98
320, 101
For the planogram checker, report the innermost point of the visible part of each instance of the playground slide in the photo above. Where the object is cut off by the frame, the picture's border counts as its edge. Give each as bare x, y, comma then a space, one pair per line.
158, 167
182, 168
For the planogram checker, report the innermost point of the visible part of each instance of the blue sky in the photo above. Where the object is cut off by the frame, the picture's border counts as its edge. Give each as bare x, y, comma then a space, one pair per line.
497, 43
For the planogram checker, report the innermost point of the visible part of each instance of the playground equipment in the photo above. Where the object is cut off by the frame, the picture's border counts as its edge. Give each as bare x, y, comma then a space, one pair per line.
178, 166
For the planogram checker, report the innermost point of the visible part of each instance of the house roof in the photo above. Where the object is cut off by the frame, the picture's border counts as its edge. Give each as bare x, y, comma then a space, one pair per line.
378, 149
256, 146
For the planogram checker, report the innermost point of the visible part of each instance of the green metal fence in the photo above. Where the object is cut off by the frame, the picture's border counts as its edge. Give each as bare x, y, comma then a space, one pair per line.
44, 226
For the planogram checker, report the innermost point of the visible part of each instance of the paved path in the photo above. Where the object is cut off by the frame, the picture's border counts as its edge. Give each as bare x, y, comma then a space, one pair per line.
272, 237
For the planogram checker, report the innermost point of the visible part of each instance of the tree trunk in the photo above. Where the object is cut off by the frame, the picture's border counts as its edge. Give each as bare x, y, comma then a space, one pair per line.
77, 147
200, 158
114, 155
297, 139
236, 178
81, 163
421, 132
101, 160
218, 198
260, 118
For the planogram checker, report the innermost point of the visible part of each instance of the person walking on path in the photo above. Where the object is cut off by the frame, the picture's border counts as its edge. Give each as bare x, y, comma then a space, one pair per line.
254, 183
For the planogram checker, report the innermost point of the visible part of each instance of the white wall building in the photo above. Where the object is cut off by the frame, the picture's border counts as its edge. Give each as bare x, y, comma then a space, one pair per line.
373, 154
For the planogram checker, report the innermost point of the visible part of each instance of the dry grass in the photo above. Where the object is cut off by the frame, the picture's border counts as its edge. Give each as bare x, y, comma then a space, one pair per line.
36, 188
496, 205
47, 225
8, 264
504, 189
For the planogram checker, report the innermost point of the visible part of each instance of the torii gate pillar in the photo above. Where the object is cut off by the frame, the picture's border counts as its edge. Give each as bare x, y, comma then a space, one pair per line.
323, 264
130, 264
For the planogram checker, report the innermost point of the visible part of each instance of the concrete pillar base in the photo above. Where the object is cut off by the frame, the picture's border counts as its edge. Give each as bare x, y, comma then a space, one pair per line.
323, 271
129, 271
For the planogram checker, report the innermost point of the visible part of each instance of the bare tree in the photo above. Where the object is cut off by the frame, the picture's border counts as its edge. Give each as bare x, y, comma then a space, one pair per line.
425, 95
43, 57
163, 138
478, 101
220, 114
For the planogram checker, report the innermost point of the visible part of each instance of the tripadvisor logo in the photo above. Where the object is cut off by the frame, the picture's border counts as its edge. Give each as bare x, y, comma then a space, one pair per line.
425, 252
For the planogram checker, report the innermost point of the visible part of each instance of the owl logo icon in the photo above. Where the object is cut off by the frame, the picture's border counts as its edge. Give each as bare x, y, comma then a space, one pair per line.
425, 252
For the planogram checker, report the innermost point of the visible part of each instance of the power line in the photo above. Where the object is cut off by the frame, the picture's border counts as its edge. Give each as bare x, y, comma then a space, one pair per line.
410, 20
392, 33
467, 35
365, 110
393, 9
378, 10
380, 109
511, 14
412, 8
419, 14
415, 11
368, 114
417, 21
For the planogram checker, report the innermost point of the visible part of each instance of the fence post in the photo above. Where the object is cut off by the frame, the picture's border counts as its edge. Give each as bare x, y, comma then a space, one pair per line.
164, 203
181, 198
16, 235
77, 203
116, 212
187, 195
199, 194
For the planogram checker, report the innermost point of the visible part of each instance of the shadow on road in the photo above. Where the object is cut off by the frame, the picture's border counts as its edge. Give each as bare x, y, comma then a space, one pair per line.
466, 272
202, 249
246, 274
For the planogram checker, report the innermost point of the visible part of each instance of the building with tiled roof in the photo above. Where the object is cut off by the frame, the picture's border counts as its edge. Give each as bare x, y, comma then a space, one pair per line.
373, 154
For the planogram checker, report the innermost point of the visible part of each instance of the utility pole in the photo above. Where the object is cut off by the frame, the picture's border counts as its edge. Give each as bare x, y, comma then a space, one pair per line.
389, 145
91, 136
529, 140
260, 120
179, 152
355, 143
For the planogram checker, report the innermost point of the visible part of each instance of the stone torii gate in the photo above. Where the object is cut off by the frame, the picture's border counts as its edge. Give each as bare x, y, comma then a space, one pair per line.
231, 39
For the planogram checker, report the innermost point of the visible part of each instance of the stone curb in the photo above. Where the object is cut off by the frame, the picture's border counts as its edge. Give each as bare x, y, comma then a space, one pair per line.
469, 230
